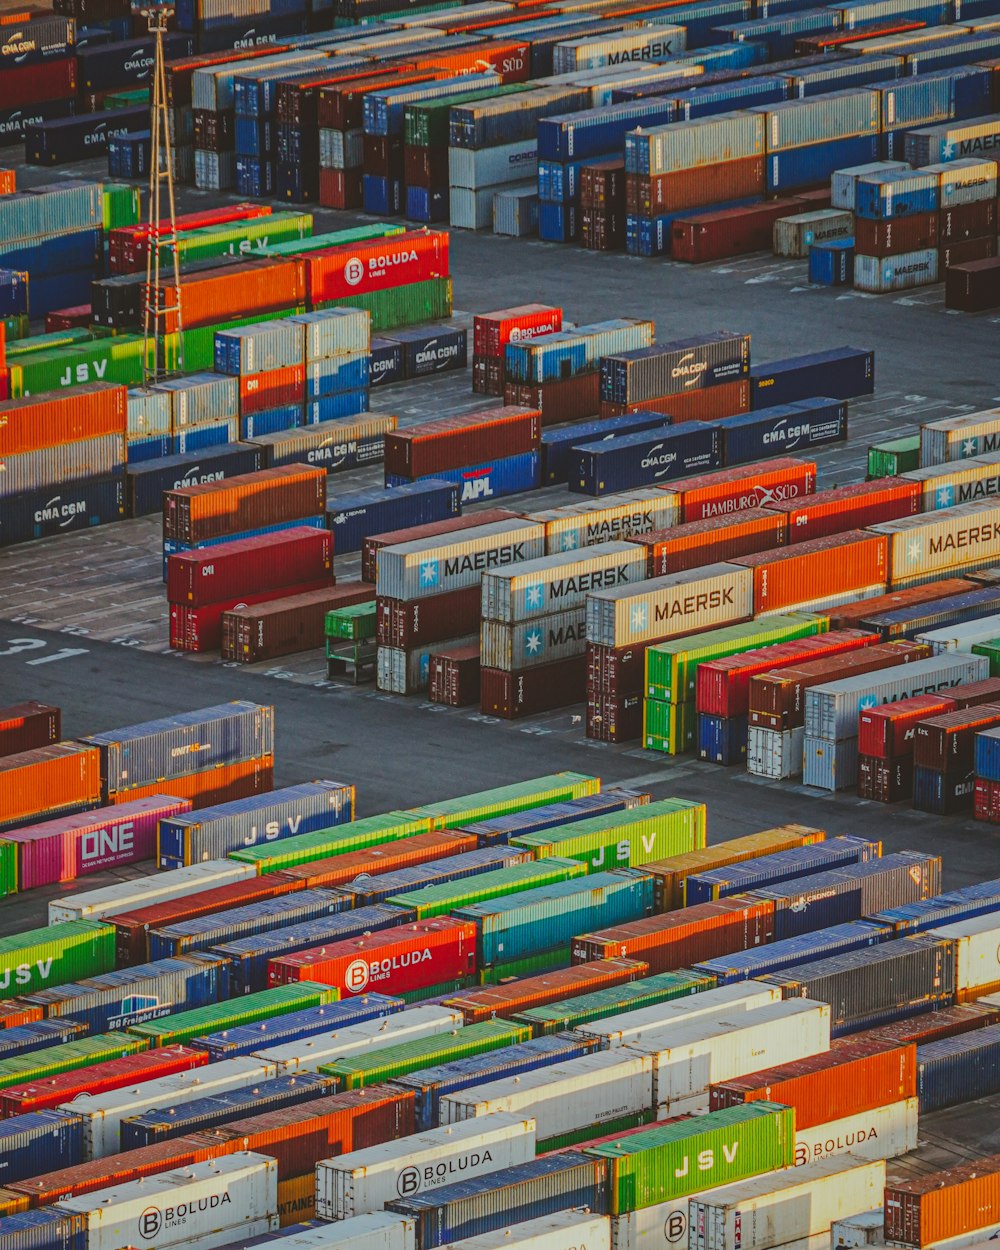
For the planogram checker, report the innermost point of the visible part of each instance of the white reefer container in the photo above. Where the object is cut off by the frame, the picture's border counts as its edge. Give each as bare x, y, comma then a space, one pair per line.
308, 1053
928, 545
382, 1231
609, 519
592, 1091
660, 1227
867, 1228
682, 603
576, 1229
775, 753
781, 1207
112, 900
103, 1113
961, 637
883, 1133
634, 1026
365, 1180
977, 954
204, 1205
556, 583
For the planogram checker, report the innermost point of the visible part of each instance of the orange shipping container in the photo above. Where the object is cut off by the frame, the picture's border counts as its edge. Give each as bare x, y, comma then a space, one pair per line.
422, 848
63, 775
713, 540
850, 507
14, 1013
510, 59
8, 181
212, 786
733, 490
706, 403
249, 501
39, 421
822, 569
944, 1204
500, 1002
248, 289
656, 195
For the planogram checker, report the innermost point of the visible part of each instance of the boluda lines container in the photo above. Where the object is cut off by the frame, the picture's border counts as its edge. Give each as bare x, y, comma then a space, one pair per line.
630, 838
820, 569
431, 566
698, 599
732, 490
493, 331
354, 269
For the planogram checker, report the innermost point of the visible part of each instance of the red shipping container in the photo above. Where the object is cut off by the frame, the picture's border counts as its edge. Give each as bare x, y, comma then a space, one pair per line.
722, 687
65, 774
973, 693
287, 625
414, 623
39, 421
454, 442
967, 221
73, 846
273, 389
341, 188
374, 543
52, 1091
529, 691
14, 1013
733, 490
714, 540
491, 332
21, 85
249, 289
944, 1204
365, 268
454, 676
76, 318
885, 781
214, 785
888, 731
680, 939
811, 44
817, 570
947, 742
726, 232
511, 59
425, 167
966, 252
569, 399
615, 671
500, 1002
289, 557
850, 507
849, 615
131, 927
8, 181
720, 183
408, 957
895, 235
854, 1075
248, 501
200, 629
986, 801
422, 848
614, 717
488, 375
341, 107
27, 726
974, 286
707, 403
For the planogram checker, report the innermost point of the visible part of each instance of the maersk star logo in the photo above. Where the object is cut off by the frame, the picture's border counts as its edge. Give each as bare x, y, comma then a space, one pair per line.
533, 642
913, 551
429, 573
945, 497
640, 617
969, 448
533, 598
866, 701
569, 541
948, 151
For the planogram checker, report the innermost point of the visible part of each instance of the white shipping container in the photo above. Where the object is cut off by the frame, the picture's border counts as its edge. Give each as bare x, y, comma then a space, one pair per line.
308, 1053
960, 438
648, 43
204, 1205
844, 181
513, 647
112, 900
830, 765
773, 753
564, 1097
701, 141
691, 1056
576, 1229
795, 235
961, 637
398, 671
683, 603
964, 481
884, 1133
431, 566
977, 954
103, 1113
384, 1231
634, 1026
615, 517
922, 547
863, 1229
473, 169
558, 582
365, 1180
473, 209
881, 274
780, 1207
984, 1238
660, 1227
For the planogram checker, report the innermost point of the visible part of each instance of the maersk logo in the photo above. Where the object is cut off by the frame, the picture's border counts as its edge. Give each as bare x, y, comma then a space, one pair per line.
944, 497
639, 617
429, 573
534, 643
866, 702
534, 598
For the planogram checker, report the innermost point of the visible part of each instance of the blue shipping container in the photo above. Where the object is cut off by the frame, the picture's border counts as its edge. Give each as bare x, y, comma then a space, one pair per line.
431, 349
647, 458
59, 253
386, 362
755, 874
557, 223
489, 481
378, 511
147, 482
379, 887
40, 1142
43, 1230
425, 204
558, 445
25, 1038
722, 739
978, 899
336, 374
334, 407
590, 134
832, 264
958, 1069
59, 510
806, 948
840, 373
245, 1039
271, 420
785, 430
896, 193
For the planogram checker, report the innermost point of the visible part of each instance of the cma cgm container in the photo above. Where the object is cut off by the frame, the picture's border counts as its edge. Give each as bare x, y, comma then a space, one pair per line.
646, 458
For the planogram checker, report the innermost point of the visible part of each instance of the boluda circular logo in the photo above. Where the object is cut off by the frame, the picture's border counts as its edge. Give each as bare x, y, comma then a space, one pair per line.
150, 1223
354, 271
356, 976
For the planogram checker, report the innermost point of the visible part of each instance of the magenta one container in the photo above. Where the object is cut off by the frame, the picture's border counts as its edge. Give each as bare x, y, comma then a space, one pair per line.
72, 846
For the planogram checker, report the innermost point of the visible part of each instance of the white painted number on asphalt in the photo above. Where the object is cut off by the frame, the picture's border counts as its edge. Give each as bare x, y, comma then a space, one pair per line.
17, 645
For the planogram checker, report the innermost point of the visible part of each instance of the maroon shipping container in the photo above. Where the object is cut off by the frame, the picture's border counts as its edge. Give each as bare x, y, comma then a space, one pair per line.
614, 717
895, 235
729, 231
947, 743
885, 780
712, 541
616, 671
936, 1025
436, 618
200, 629
453, 676
491, 332
777, 700
424, 167
21, 85
569, 399
707, 403
986, 801
268, 562
850, 615
887, 731
454, 442
249, 501
602, 185
967, 221
966, 252
532, 690
973, 287
849, 507
286, 626
132, 927
383, 155
374, 543
973, 693
721, 183
680, 939
341, 188
487, 375
602, 231
72, 846
27, 726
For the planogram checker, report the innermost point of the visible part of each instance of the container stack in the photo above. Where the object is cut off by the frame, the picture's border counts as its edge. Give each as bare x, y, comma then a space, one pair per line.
43, 85
945, 762
967, 226
204, 411
896, 230
602, 205
886, 740
491, 332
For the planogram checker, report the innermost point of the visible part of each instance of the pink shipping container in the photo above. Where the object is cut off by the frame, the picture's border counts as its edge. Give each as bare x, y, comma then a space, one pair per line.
850, 507
454, 442
821, 569
72, 846
285, 558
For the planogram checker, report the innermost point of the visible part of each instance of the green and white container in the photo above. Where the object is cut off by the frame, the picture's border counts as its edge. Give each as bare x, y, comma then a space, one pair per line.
570, 1013
624, 839
203, 1021
506, 800
239, 238
439, 900
991, 650
41, 958
322, 843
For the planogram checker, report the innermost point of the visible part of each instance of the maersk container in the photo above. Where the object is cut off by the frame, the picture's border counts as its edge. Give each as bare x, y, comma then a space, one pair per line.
39, 1142
895, 273
558, 444
645, 458
548, 917
37, 958
783, 866
526, 644
368, 889
799, 167
544, 1186
412, 570
249, 957
558, 583
241, 922
178, 1119
667, 827
571, 1013
797, 236
958, 1069
112, 900
970, 180
500, 829
507, 476
702, 141
438, 900
214, 832
687, 602
322, 843
431, 1085
952, 141
969, 480
843, 184
783, 430
295, 1026
980, 898
778, 956
615, 518
68, 1057
185, 1025
960, 438
619, 47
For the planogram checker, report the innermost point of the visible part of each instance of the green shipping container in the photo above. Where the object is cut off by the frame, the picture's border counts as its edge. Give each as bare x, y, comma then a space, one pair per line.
117, 359
624, 839
122, 205
68, 1056
669, 727
250, 237
353, 624
437, 991
321, 843
127, 99
17, 327
391, 1062
41, 958
548, 918
992, 652
199, 344
438, 900
671, 666
180, 1028
581, 1135
426, 125
8, 868
521, 796
47, 342
401, 305
898, 456
336, 238
599, 1004
702, 1153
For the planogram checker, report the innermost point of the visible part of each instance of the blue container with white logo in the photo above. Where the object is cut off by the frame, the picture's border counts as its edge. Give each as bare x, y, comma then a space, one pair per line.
509, 476
979, 899
807, 947
62, 509
755, 874
431, 349
647, 458
386, 362
558, 444
784, 430
840, 373
722, 739
378, 511
427, 204
146, 482
832, 263
816, 162
245, 1039
369, 890
896, 193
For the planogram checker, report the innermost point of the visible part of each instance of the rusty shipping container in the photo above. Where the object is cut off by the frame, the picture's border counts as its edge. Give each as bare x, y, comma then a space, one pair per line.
28, 726
728, 399
285, 626
567, 399
455, 442
454, 676
849, 615
656, 195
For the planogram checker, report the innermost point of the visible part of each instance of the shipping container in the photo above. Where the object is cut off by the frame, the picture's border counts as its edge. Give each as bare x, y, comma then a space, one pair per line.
374, 543
185, 1025
28, 726
431, 566
667, 827
714, 595
958, 1069
943, 1204
64, 775
67, 1057
732, 490
704, 887
614, 519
